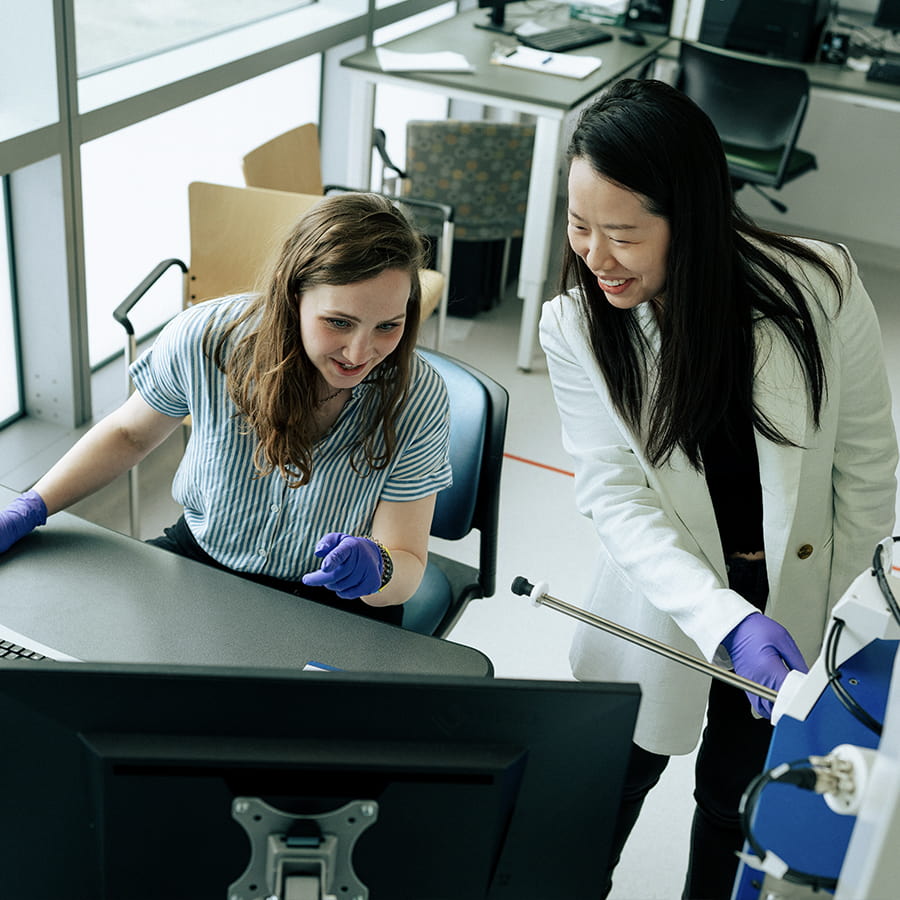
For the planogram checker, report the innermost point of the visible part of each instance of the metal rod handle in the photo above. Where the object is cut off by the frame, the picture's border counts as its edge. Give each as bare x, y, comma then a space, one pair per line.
524, 588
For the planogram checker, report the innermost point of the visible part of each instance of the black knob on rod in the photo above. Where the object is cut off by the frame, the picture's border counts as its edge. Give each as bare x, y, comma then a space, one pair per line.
522, 586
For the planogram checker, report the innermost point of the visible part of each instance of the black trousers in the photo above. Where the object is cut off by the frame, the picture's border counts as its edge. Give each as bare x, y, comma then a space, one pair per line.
732, 751
179, 539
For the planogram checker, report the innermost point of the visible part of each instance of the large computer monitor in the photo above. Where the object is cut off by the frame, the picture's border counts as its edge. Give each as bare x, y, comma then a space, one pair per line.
888, 15
783, 29
122, 781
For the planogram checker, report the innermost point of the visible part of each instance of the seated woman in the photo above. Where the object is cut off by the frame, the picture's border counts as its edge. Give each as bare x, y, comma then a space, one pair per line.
319, 437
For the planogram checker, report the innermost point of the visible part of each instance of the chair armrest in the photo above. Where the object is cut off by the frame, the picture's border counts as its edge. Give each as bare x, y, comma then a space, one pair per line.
445, 209
120, 313
379, 142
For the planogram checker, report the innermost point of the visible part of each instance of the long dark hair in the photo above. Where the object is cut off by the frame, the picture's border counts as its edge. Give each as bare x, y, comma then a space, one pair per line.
651, 139
343, 239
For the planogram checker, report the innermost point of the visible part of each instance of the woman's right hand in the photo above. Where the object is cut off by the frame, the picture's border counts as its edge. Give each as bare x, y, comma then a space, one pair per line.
351, 566
23, 515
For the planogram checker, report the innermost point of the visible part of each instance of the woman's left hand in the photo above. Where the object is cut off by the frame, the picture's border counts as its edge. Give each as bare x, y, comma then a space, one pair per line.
763, 651
351, 566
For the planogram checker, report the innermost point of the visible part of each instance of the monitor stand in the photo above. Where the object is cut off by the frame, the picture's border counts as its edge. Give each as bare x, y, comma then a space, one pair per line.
300, 855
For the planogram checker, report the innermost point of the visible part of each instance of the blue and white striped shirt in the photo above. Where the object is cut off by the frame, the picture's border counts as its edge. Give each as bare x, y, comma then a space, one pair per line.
258, 524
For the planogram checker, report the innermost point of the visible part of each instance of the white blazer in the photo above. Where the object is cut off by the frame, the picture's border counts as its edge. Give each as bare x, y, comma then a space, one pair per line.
661, 571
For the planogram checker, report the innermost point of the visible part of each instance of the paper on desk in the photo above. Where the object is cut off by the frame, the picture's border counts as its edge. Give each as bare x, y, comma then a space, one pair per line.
566, 64
440, 61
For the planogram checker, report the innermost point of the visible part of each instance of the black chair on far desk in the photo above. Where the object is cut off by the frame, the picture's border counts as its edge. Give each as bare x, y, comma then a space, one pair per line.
758, 108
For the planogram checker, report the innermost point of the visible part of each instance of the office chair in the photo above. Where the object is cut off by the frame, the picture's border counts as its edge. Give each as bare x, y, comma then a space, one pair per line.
292, 162
234, 231
482, 169
758, 108
478, 409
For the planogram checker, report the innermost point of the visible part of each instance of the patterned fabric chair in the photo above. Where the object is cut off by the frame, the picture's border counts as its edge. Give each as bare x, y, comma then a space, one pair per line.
482, 170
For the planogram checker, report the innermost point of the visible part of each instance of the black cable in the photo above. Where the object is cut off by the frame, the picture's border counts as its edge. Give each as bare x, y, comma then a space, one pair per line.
881, 578
834, 679
799, 773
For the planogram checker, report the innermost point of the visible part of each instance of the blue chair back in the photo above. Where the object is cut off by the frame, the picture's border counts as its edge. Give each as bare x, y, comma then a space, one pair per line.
478, 411
469, 407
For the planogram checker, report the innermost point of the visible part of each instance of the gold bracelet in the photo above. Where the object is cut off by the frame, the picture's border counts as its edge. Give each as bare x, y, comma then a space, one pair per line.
387, 564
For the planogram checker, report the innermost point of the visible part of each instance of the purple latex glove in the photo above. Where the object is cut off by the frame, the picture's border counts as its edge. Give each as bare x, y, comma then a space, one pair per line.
351, 566
763, 651
24, 514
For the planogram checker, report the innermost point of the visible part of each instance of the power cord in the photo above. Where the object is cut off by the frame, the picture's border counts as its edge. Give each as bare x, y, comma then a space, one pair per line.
810, 774
834, 680
837, 626
881, 578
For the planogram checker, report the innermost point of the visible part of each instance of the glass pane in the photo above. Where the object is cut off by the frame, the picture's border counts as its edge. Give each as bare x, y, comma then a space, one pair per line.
27, 68
111, 34
135, 188
9, 360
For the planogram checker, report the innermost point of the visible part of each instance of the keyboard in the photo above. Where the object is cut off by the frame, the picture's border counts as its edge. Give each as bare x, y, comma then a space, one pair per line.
10, 651
15, 647
569, 37
884, 71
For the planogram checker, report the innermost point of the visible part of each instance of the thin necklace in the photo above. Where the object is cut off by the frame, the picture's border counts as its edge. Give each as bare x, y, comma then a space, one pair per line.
324, 400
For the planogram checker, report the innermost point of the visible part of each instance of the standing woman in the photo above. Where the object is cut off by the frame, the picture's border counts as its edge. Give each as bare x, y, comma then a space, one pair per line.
723, 395
319, 437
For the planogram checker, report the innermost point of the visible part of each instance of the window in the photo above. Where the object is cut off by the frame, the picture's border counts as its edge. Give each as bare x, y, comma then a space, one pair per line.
113, 34
134, 185
27, 68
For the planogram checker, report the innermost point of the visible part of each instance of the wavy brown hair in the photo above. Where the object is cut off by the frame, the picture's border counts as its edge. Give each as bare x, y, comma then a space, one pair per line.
343, 239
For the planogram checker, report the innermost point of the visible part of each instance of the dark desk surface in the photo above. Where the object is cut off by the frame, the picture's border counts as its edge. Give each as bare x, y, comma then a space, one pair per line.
553, 91
104, 597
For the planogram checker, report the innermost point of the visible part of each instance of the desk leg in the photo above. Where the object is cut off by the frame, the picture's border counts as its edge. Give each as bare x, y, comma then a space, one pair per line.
538, 232
359, 133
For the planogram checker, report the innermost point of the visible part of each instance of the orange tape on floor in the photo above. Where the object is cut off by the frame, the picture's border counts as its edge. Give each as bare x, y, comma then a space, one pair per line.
540, 465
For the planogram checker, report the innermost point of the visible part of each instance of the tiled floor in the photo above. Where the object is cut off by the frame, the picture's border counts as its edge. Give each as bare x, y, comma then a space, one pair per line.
541, 537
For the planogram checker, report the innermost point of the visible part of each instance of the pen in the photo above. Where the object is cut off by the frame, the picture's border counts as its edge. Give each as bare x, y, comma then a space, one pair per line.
545, 61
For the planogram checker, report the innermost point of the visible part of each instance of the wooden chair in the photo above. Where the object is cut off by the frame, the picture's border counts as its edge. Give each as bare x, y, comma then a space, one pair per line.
292, 162
289, 162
